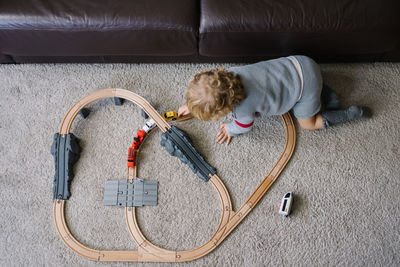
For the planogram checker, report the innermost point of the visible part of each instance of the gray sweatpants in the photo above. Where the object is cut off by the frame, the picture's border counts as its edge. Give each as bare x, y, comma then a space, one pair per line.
309, 103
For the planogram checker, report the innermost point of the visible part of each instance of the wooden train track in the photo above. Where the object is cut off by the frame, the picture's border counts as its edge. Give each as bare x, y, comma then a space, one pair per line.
148, 252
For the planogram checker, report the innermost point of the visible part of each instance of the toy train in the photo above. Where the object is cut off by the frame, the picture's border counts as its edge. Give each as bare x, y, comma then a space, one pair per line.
140, 135
137, 141
285, 207
150, 124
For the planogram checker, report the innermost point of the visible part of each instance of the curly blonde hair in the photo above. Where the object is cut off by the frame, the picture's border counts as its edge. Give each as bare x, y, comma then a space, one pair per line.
214, 93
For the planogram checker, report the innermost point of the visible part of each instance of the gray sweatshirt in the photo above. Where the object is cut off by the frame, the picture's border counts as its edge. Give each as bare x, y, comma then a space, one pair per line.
272, 87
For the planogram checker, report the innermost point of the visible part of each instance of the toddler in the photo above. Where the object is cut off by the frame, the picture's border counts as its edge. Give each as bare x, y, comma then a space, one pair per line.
271, 87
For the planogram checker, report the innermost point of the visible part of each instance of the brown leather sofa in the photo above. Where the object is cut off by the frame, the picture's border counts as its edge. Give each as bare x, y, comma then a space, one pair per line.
36, 31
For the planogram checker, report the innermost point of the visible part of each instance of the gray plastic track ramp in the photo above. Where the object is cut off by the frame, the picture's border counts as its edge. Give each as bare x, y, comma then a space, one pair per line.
66, 152
178, 144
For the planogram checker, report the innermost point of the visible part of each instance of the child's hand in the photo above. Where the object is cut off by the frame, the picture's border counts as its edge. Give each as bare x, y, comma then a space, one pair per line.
223, 135
183, 110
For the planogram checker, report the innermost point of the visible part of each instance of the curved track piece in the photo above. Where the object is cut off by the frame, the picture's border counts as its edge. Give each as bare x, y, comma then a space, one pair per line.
147, 251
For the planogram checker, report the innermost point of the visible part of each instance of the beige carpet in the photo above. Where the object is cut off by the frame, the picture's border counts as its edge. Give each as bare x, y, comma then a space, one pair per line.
345, 179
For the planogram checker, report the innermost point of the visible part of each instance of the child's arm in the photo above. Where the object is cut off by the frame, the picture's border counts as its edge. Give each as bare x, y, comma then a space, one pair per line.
234, 128
240, 126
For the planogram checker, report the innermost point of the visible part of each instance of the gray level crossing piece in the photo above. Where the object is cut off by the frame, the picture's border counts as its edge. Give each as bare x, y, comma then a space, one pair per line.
178, 144
123, 193
66, 152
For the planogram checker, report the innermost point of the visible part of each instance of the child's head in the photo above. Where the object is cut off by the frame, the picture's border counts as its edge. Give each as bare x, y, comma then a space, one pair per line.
213, 94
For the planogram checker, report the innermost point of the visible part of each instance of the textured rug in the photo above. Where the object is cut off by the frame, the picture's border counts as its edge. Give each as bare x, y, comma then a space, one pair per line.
345, 179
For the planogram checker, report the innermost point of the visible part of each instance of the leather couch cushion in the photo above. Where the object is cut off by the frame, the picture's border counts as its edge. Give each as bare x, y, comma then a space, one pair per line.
98, 27
282, 27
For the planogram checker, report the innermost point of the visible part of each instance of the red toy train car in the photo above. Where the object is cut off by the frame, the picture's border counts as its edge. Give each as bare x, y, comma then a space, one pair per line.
137, 141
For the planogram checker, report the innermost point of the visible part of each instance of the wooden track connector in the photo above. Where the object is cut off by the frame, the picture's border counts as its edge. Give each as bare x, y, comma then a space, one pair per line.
148, 252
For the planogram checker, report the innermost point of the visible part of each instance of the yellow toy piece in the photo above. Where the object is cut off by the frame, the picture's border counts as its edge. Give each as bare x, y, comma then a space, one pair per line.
170, 115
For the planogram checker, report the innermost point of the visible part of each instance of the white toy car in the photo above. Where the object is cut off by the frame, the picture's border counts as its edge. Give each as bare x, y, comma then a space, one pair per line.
285, 208
150, 124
